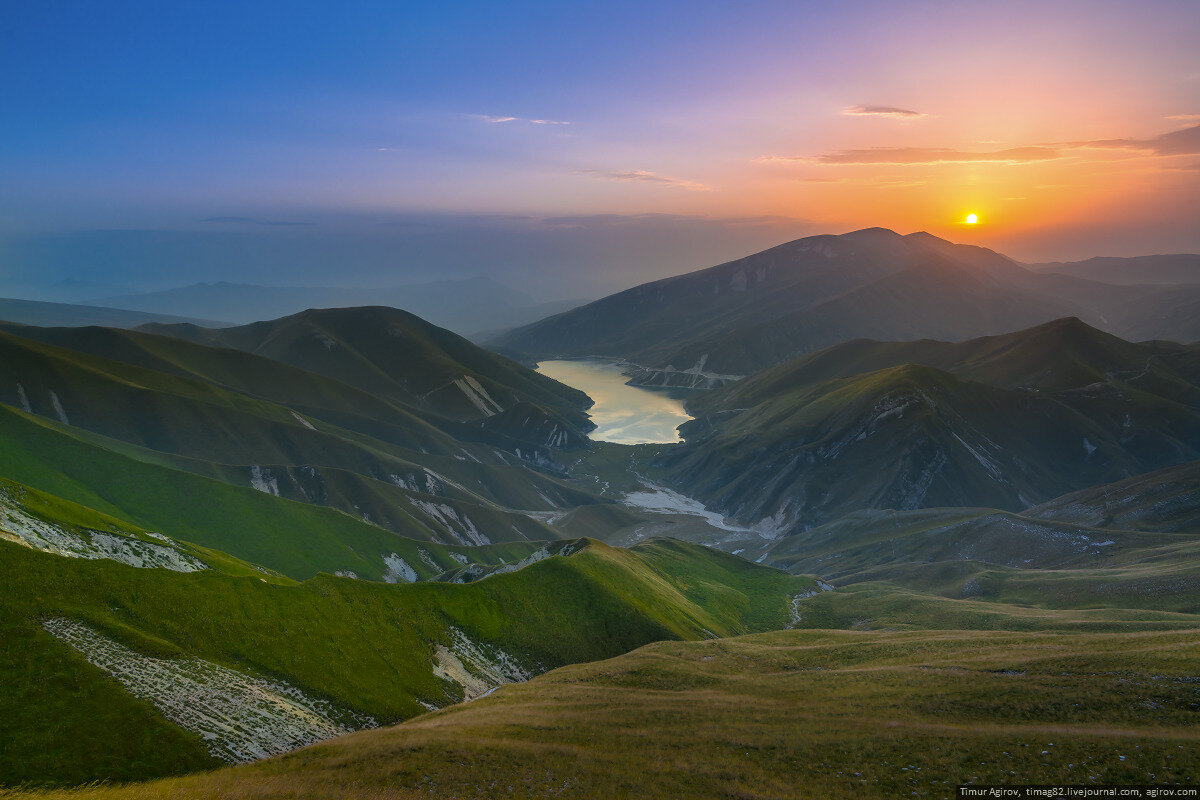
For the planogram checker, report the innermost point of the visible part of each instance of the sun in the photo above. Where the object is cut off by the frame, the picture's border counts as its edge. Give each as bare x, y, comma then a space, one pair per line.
972, 219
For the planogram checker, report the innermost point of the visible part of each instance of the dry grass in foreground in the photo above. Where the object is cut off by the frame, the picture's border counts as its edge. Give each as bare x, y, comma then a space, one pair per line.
801, 714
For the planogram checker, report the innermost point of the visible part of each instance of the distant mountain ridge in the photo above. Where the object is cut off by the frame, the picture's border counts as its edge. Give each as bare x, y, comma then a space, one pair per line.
1181, 268
745, 315
36, 312
467, 305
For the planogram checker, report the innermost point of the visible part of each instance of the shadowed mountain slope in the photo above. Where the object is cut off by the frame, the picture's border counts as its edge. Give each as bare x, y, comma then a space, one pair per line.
1002, 422
399, 357
745, 315
254, 422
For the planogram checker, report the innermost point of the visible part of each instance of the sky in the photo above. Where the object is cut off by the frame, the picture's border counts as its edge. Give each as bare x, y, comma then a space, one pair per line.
578, 148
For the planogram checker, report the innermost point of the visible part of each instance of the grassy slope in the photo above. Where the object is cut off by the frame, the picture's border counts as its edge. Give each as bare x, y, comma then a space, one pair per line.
1051, 409
831, 715
216, 412
821, 438
1166, 500
335, 401
296, 539
1063, 354
393, 354
365, 646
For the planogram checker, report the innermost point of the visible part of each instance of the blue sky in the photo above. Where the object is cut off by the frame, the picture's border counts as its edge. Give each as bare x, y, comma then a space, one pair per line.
151, 144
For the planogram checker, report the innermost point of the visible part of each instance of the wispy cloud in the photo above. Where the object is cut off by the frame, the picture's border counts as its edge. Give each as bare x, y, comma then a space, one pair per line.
253, 221
882, 111
495, 120
1185, 117
901, 156
1185, 141
884, 181
645, 176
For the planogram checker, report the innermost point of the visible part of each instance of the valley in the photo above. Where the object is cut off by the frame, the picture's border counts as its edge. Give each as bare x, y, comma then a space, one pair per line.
346, 538
785, 400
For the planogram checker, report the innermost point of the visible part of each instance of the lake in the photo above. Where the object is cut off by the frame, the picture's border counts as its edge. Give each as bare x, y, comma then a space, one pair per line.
623, 414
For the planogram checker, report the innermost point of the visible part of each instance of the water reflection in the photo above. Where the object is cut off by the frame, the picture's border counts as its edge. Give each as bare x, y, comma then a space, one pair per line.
623, 414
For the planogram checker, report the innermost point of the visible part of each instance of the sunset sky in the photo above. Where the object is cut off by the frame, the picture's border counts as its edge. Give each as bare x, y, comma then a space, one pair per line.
581, 147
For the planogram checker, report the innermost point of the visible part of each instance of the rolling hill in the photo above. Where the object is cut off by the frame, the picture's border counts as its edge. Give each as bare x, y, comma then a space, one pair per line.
1165, 500
399, 357
115, 668
844, 714
91, 408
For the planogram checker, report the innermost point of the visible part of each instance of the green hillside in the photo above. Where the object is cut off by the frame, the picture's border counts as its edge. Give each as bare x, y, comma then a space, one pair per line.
251, 421
361, 650
293, 538
397, 356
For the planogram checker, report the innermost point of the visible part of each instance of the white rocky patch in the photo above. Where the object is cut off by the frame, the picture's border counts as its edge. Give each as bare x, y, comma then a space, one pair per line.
240, 717
992, 468
478, 395
774, 526
459, 557
58, 409
16, 525
476, 668
665, 501
303, 421
398, 569
694, 377
1088, 447
262, 480
541, 554
556, 439
24, 399
453, 522
423, 554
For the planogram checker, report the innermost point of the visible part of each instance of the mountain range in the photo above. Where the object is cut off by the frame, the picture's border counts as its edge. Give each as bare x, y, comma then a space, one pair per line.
221, 544
736, 318
1003, 422
467, 306
36, 312
1181, 268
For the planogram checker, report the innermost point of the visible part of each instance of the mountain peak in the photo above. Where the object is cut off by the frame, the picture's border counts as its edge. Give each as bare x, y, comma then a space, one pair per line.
871, 236
927, 238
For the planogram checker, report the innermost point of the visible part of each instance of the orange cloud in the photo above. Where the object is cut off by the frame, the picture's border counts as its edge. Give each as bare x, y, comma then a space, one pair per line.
1185, 141
901, 156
